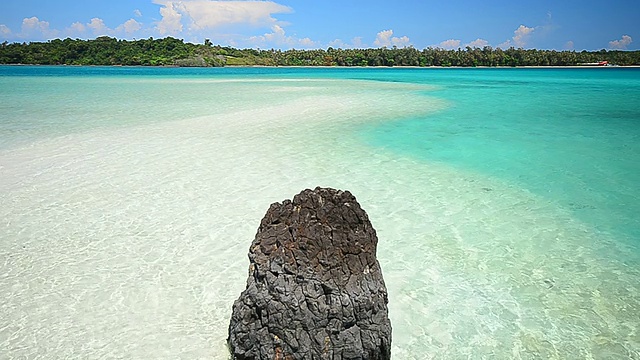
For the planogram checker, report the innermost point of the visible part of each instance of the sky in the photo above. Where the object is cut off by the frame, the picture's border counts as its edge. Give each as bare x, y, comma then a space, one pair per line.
304, 24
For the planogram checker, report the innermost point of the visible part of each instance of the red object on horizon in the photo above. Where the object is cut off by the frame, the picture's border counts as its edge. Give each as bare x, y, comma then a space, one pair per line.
603, 63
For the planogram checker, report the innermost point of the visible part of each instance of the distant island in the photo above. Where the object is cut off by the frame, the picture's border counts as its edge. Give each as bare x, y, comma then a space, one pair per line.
169, 51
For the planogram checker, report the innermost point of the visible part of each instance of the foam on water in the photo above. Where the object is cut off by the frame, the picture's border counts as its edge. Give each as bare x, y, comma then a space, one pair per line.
128, 238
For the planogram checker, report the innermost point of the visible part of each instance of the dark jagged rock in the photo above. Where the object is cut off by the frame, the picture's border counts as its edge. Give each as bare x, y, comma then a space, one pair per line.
315, 289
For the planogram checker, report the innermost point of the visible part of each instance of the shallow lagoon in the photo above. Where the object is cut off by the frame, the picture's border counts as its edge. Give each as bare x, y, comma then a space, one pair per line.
504, 200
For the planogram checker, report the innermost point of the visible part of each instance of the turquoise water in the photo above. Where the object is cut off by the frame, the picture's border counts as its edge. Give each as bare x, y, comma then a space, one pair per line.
505, 202
570, 135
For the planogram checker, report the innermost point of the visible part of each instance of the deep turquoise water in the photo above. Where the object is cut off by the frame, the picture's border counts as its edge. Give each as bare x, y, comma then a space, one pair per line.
505, 201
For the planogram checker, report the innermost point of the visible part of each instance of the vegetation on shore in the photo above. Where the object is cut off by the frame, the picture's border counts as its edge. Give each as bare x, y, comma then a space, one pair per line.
174, 52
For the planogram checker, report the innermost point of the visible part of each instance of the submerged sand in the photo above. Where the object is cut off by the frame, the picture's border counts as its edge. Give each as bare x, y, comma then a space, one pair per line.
131, 242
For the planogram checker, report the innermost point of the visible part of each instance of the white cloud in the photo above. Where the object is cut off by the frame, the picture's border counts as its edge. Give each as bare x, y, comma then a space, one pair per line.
356, 43
337, 43
522, 34
622, 43
383, 38
80, 30
98, 27
569, 45
137, 13
34, 27
386, 38
33, 23
77, 28
207, 14
450, 44
400, 42
4, 30
171, 22
478, 43
520, 38
278, 36
307, 42
130, 26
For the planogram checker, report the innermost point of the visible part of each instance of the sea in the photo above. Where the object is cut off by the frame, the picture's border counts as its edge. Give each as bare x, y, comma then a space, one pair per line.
506, 203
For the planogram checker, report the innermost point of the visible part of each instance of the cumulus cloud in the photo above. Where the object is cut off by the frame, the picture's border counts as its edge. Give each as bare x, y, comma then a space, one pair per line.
189, 19
33, 23
520, 38
98, 27
449, 44
4, 30
386, 38
207, 14
621, 44
338, 43
569, 45
522, 34
77, 28
171, 22
478, 43
401, 42
383, 38
34, 27
130, 26
307, 42
278, 36
356, 43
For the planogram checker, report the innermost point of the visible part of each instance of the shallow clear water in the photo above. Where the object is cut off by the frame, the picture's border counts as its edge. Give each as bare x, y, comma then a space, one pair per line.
504, 201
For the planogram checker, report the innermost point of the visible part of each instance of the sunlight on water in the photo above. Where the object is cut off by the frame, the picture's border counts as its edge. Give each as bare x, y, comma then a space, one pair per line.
127, 215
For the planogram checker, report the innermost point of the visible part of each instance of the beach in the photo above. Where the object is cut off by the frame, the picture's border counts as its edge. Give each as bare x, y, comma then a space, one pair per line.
130, 201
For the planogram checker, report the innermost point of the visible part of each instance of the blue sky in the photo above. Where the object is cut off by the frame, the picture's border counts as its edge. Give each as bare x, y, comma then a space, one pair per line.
285, 24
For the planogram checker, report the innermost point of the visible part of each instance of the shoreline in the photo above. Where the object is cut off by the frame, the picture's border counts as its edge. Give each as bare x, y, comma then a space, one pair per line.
335, 67
437, 67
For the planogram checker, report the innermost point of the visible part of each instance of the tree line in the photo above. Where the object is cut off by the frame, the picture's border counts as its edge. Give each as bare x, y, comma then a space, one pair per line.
175, 52
105, 50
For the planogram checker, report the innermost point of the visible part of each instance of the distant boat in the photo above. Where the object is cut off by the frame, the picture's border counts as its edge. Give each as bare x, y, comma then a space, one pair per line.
600, 63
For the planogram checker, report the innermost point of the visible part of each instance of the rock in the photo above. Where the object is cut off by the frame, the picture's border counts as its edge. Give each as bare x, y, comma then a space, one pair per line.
315, 289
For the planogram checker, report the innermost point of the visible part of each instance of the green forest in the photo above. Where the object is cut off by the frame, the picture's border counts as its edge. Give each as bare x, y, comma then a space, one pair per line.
175, 52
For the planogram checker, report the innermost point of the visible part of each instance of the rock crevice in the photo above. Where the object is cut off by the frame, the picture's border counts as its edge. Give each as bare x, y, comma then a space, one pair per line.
315, 289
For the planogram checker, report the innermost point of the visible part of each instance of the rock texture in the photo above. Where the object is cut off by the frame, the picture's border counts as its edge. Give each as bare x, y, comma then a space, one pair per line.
315, 289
